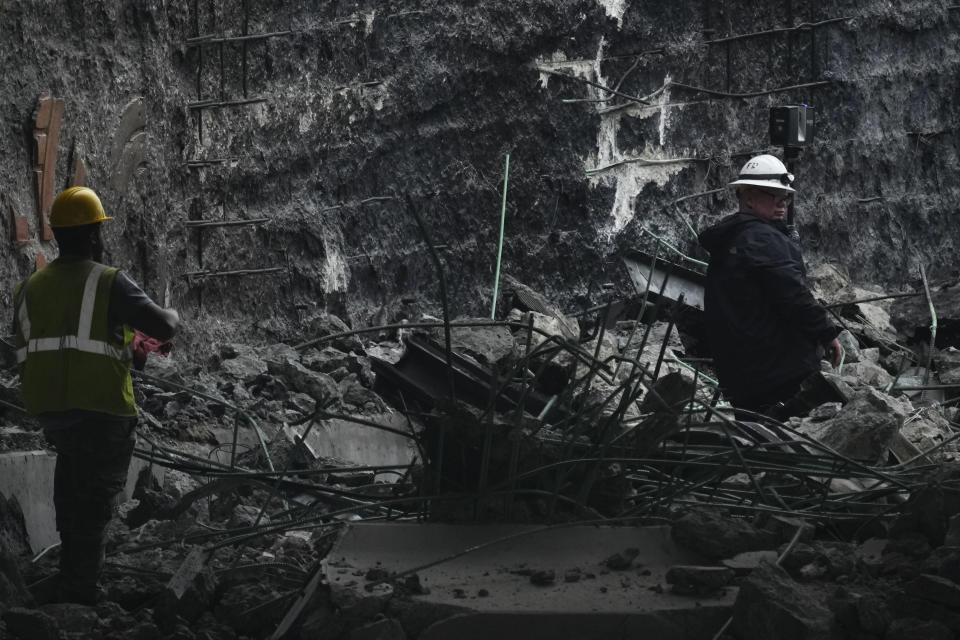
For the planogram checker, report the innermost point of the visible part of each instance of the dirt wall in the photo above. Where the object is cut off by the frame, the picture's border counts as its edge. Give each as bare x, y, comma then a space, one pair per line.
306, 126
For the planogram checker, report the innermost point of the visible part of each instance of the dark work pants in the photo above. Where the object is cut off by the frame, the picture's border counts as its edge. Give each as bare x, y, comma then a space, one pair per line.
767, 402
92, 461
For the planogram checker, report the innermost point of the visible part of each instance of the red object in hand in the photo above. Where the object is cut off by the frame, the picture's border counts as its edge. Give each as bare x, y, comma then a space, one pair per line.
144, 345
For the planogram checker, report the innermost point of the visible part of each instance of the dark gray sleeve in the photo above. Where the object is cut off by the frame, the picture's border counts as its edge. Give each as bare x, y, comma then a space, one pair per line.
125, 299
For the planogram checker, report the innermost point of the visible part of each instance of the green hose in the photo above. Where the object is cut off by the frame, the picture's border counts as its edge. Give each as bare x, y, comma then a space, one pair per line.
503, 218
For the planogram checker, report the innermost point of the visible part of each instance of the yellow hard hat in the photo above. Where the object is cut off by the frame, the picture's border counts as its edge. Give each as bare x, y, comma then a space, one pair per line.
75, 207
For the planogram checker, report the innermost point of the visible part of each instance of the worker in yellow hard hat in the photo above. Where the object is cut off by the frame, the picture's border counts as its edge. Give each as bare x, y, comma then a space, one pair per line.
74, 324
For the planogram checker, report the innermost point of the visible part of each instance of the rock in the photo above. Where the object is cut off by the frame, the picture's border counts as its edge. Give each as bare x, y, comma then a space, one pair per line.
841, 388
73, 618
492, 346
827, 281
917, 629
876, 318
319, 386
13, 529
189, 592
278, 352
717, 536
867, 373
864, 428
245, 367
825, 411
13, 590
247, 516
928, 430
386, 629
744, 563
859, 612
698, 580
145, 630
928, 510
30, 624
771, 604
327, 324
870, 554
945, 562
243, 607
870, 355
356, 395
946, 359
228, 350
911, 316
935, 589
523, 298
821, 559
950, 377
851, 347
622, 559
330, 359
952, 538
543, 578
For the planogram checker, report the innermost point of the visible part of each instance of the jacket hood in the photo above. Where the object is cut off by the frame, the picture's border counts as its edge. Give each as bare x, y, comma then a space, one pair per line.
718, 236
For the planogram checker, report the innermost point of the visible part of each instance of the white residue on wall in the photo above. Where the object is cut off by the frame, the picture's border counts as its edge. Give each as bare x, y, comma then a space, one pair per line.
558, 62
336, 273
306, 119
664, 109
615, 9
630, 178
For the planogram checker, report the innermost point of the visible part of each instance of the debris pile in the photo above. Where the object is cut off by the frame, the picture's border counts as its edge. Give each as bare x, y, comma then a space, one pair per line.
840, 517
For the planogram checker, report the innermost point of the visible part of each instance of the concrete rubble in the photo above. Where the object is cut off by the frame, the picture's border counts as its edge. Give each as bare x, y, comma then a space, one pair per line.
277, 491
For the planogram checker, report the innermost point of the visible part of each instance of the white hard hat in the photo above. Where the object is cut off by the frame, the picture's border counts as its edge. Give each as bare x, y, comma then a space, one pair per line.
764, 171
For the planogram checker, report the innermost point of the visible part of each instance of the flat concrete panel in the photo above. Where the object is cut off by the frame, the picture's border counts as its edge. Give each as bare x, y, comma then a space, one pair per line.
361, 444
676, 624
493, 580
28, 477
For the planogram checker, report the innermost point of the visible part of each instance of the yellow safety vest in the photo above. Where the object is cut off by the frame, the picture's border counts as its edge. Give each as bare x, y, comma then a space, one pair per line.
68, 359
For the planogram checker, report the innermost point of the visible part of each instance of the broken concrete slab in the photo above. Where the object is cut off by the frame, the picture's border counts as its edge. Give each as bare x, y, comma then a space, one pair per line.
935, 589
771, 604
917, 629
744, 563
828, 281
485, 573
492, 346
866, 374
716, 535
927, 430
864, 427
244, 367
851, 347
27, 476
360, 444
317, 385
13, 590
189, 592
31, 624
545, 327
327, 324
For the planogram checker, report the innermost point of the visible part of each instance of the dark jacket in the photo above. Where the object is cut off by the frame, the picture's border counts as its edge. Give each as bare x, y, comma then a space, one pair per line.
764, 327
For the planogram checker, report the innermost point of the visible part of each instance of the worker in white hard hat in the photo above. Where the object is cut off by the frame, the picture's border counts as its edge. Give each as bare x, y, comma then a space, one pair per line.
765, 329
74, 323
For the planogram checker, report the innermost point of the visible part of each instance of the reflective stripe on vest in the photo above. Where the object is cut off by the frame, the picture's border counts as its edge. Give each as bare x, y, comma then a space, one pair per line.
82, 341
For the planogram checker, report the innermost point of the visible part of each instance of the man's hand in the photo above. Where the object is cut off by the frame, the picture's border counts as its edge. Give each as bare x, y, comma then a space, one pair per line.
834, 353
